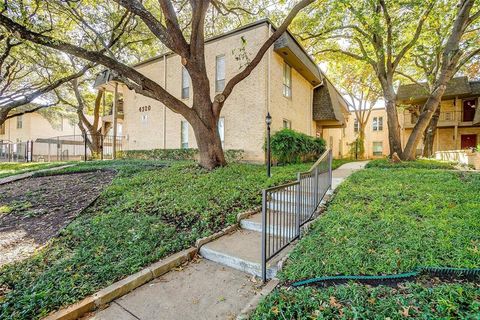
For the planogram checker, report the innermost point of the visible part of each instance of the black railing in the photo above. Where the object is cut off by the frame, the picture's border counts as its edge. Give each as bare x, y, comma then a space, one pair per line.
62, 148
286, 208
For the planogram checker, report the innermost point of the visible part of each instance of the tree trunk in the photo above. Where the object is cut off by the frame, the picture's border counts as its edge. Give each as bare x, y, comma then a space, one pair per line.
429, 135
3, 116
209, 145
423, 122
394, 138
361, 139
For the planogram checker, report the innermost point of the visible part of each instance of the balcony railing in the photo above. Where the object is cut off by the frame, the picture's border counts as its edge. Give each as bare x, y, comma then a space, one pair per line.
446, 118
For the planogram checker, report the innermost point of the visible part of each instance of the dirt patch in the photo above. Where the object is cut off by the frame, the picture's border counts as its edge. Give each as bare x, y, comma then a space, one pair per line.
34, 210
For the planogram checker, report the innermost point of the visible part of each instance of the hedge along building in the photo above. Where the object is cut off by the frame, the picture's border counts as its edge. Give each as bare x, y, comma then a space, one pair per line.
287, 84
459, 115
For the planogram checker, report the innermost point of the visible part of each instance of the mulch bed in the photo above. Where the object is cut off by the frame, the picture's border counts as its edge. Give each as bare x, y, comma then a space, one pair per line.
34, 210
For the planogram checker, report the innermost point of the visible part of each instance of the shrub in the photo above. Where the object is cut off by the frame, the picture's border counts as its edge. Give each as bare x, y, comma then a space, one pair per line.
289, 146
175, 154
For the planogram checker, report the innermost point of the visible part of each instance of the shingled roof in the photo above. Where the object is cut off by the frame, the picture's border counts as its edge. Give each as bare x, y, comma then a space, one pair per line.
459, 86
328, 104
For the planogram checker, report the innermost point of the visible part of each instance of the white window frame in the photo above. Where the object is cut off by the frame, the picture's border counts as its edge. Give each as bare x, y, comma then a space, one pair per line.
377, 123
356, 125
185, 84
287, 124
287, 80
376, 153
220, 73
184, 127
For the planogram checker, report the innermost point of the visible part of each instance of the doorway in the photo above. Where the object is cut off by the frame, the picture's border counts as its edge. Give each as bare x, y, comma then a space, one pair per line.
468, 141
468, 110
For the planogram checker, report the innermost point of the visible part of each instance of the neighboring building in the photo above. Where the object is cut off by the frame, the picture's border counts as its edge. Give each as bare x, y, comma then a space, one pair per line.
32, 126
15, 132
287, 83
459, 123
342, 141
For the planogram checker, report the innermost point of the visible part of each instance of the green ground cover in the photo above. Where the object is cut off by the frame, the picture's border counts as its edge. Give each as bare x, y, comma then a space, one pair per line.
148, 212
388, 221
418, 164
12, 168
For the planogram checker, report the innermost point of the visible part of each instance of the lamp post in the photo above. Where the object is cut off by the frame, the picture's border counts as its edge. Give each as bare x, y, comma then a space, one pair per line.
268, 121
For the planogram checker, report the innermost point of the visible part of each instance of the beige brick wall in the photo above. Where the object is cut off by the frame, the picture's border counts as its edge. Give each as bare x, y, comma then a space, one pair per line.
35, 126
339, 139
298, 108
244, 111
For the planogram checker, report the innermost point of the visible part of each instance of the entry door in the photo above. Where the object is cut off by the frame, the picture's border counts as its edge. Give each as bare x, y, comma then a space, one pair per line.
468, 110
469, 141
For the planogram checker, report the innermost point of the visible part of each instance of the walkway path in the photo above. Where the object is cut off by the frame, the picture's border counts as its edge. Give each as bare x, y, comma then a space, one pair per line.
26, 175
215, 287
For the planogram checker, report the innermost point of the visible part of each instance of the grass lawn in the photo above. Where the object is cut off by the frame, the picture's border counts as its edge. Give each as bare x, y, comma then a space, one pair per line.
388, 219
12, 168
147, 213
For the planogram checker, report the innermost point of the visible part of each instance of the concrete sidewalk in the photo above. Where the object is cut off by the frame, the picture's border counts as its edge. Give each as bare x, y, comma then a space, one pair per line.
26, 175
344, 171
203, 289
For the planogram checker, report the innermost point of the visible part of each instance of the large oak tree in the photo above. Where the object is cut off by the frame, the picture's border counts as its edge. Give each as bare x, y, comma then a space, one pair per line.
451, 46
162, 20
378, 32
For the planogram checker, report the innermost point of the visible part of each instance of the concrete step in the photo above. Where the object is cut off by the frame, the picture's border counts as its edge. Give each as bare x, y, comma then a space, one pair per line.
240, 250
281, 223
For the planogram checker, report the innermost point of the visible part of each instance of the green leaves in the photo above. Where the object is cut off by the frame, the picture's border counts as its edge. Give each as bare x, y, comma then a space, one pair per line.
151, 209
389, 218
289, 146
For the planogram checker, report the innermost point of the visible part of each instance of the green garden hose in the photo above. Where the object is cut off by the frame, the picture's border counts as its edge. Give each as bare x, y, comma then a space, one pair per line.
441, 272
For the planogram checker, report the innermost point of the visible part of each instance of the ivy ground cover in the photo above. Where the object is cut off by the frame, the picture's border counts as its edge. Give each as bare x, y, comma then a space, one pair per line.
388, 219
150, 210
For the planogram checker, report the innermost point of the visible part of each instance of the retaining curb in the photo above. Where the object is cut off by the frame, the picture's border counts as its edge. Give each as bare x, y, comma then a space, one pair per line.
122, 287
26, 175
253, 303
128, 284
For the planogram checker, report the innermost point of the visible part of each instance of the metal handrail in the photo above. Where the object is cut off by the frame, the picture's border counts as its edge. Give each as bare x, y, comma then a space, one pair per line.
285, 208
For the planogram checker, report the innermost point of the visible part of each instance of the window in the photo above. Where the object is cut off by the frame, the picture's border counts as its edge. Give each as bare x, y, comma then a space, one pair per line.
377, 123
184, 134
219, 73
287, 124
19, 122
356, 126
2, 128
185, 84
221, 130
287, 80
377, 148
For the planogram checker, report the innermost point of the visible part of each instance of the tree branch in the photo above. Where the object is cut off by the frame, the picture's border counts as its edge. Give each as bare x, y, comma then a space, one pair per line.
220, 98
142, 82
417, 33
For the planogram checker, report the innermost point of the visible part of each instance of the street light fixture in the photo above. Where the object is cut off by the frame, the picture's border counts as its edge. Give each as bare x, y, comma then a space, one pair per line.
268, 121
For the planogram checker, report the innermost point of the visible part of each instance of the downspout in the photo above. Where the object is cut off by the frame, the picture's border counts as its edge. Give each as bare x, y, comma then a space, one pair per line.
115, 123
165, 107
269, 68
